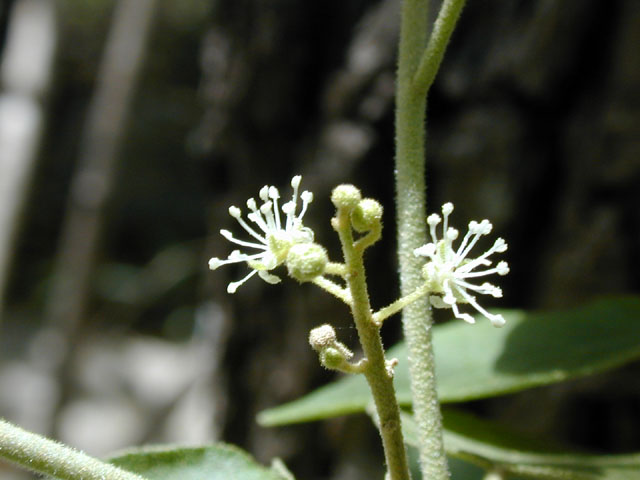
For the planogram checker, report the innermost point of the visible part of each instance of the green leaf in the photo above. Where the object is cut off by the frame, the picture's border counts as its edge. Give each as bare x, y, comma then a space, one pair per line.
478, 361
214, 462
491, 446
460, 470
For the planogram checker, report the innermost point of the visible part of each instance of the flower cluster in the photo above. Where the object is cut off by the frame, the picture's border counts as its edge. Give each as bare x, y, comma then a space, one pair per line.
447, 272
273, 236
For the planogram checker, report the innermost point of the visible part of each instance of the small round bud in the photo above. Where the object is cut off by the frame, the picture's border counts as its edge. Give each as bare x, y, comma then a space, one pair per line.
305, 261
322, 337
332, 358
367, 215
345, 196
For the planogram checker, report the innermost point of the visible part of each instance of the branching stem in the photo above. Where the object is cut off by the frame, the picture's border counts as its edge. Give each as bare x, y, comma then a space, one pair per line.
378, 376
334, 268
399, 304
334, 289
353, 368
369, 239
438, 41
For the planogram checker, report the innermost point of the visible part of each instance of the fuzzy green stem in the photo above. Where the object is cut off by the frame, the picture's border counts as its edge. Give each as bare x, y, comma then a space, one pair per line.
417, 66
378, 376
333, 288
369, 239
347, 367
438, 41
334, 268
399, 304
39, 454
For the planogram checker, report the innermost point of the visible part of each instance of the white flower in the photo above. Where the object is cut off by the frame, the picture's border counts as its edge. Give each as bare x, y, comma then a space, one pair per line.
274, 236
448, 270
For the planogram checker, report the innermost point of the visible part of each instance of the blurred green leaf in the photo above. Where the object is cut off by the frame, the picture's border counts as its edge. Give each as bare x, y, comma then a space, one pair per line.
123, 283
491, 446
461, 470
215, 462
478, 361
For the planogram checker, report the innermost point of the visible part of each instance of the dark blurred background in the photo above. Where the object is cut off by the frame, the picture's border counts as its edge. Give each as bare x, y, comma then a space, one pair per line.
128, 127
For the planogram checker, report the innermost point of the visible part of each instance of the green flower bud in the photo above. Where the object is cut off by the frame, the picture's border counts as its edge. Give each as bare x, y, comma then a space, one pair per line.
306, 261
345, 196
333, 354
322, 337
332, 358
367, 215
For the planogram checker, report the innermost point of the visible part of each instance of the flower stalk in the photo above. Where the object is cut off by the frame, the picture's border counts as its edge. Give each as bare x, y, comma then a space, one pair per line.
393, 308
377, 370
334, 289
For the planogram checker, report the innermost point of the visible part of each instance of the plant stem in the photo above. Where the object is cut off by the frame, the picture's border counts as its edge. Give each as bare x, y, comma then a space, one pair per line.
333, 288
399, 304
334, 268
417, 66
379, 379
39, 454
438, 41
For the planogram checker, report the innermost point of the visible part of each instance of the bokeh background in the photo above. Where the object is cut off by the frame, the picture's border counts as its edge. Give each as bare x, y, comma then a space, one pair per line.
128, 127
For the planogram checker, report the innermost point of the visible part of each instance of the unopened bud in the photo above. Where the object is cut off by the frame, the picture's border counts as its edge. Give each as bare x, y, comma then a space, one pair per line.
333, 358
346, 196
306, 261
367, 215
322, 337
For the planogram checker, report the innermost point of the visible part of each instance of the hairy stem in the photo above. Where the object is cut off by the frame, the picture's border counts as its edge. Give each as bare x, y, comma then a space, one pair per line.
333, 288
379, 378
399, 304
334, 268
369, 239
45, 456
438, 41
417, 66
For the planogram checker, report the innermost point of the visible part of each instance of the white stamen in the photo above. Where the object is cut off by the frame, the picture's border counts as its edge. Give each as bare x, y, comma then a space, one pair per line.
233, 286
235, 212
229, 236
215, 263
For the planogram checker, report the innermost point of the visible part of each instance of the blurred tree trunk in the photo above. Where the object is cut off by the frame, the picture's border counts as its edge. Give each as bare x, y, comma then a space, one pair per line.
25, 73
94, 177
